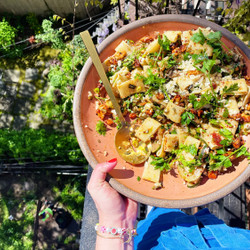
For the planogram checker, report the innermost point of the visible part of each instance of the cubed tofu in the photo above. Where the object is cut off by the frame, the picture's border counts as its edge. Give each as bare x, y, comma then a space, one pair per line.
172, 35
170, 142
152, 47
174, 112
147, 129
130, 87
150, 173
123, 47
243, 90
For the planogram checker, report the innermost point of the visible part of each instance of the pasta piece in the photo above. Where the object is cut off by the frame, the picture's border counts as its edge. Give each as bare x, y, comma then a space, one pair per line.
190, 141
185, 81
185, 37
150, 173
190, 177
182, 135
230, 124
232, 107
147, 129
172, 35
170, 142
130, 87
207, 136
184, 172
245, 127
152, 47
243, 89
174, 112
123, 47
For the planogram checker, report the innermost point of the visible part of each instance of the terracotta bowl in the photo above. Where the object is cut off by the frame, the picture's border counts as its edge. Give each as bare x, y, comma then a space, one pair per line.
124, 177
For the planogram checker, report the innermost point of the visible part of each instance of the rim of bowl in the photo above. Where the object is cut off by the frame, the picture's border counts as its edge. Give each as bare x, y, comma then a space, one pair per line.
184, 203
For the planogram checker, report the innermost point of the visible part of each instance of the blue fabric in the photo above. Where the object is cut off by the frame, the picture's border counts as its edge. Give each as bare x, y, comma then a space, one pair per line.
172, 229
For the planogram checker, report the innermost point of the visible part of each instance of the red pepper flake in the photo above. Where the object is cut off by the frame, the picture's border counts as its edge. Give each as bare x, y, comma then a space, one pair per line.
216, 139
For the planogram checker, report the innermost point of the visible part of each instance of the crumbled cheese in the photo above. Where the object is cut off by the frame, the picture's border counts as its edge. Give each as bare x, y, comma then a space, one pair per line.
90, 95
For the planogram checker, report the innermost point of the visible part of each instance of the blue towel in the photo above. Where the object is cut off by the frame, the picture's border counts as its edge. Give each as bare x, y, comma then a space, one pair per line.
171, 229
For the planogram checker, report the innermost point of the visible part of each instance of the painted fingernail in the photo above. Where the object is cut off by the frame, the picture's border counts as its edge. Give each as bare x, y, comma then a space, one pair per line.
112, 160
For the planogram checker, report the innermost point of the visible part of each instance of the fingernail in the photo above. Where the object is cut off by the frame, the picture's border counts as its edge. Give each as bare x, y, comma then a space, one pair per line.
112, 160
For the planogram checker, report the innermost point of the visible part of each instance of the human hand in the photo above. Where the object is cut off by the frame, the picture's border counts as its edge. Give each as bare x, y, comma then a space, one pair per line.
113, 209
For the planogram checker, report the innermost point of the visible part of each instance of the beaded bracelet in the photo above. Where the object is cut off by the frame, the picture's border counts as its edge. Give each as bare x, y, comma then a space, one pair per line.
113, 232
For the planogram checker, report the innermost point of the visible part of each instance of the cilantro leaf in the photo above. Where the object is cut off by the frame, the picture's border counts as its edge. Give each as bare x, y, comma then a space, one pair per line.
101, 128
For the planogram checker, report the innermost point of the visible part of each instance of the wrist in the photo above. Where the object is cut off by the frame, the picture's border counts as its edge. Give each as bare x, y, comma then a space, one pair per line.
125, 223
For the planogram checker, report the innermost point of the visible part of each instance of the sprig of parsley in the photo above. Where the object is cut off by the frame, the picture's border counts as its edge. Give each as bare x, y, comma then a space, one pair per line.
187, 117
161, 163
219, 160
164, 43
101, 128
229, 90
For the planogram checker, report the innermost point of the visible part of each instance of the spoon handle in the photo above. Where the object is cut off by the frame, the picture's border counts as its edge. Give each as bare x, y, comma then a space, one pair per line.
100, 70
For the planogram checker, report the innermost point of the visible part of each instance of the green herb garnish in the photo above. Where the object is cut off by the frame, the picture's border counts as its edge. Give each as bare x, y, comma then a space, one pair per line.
101, 128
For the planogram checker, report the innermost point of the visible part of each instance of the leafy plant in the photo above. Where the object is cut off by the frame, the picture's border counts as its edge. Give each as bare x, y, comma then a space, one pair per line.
51, 35
238, 20
7, 36
39, 145
58, 99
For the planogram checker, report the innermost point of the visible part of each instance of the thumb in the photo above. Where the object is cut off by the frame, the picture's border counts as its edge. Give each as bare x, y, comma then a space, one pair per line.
101, 170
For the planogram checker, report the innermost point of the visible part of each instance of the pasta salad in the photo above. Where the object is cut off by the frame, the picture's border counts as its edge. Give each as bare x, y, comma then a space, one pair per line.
187, 96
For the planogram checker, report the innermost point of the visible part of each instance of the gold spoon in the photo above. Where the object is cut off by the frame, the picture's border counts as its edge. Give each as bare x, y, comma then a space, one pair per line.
134, 154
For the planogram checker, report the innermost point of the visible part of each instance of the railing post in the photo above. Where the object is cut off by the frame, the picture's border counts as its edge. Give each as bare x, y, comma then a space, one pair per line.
136, 10
167, 7
196, 7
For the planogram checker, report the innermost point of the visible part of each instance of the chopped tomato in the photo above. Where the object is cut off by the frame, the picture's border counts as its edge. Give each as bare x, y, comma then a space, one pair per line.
132, 115
212, 174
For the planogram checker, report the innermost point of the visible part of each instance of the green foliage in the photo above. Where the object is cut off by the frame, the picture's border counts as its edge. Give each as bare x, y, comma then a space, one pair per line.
58, 99
17, 234
7, 36
50, 35
71, 196
40, 145
34, 23
238, 21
